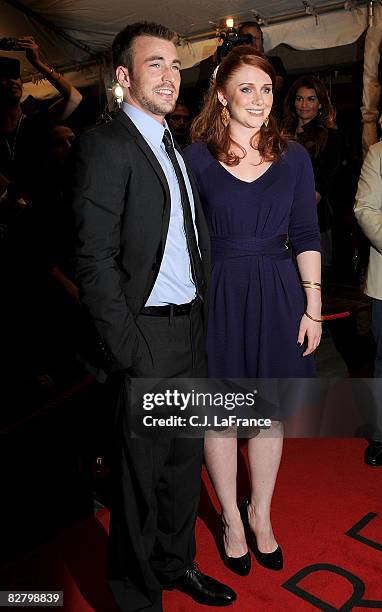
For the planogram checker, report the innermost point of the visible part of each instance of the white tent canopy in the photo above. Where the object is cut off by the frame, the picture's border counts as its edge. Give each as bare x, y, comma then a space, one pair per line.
72, 33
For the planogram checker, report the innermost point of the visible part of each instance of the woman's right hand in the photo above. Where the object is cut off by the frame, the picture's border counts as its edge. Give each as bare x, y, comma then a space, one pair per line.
311, 331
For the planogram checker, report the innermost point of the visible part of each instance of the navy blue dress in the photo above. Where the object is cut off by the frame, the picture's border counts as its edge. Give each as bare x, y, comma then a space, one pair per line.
257, 301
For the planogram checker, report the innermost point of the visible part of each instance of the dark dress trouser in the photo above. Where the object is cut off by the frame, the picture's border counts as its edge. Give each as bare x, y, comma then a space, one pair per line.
156, 484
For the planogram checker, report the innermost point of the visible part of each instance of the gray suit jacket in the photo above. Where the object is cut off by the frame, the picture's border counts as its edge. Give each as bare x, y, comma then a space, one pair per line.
368, 211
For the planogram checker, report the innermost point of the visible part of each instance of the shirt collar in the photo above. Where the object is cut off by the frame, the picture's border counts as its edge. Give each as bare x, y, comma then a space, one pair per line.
150, 128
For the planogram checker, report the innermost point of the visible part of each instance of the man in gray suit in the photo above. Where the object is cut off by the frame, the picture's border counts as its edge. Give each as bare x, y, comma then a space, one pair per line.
368, 211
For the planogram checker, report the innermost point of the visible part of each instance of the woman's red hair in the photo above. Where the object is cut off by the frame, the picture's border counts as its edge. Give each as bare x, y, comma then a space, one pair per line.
208, 127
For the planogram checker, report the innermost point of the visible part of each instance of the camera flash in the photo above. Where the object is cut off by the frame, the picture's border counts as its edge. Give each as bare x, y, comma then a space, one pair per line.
229, 22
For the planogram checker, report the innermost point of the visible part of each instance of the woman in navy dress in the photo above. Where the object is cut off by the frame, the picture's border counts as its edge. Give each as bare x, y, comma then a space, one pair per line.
259, 199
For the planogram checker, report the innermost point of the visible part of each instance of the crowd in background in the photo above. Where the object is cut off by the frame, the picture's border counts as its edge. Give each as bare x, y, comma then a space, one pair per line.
41, 323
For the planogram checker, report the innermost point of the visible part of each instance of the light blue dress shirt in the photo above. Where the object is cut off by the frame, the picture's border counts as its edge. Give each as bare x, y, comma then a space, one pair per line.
174, 284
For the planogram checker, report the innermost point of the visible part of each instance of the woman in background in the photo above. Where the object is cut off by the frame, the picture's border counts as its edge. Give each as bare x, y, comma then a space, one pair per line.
310, 118
258, 195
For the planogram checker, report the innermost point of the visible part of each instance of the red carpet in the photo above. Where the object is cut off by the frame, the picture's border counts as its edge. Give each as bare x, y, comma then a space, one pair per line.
323, 491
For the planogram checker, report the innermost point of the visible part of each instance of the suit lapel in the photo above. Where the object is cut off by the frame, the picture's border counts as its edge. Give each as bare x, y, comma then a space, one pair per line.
146, 149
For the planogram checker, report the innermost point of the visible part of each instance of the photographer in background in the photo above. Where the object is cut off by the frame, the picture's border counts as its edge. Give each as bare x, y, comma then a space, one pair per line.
24, 143
21, 136
254, 29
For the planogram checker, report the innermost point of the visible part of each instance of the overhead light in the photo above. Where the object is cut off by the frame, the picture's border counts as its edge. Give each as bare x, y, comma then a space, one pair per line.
118, 93
229, 22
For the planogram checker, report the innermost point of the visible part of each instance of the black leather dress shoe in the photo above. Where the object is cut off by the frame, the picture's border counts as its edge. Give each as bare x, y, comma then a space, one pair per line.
274, 560
373, 453
204, 589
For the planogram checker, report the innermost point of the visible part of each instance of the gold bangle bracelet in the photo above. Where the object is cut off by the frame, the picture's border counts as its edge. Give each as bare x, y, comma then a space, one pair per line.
311, 283
307, 286
312, 318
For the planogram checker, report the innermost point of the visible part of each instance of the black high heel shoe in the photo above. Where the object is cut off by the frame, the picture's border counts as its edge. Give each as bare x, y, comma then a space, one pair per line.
238, 565
274, 560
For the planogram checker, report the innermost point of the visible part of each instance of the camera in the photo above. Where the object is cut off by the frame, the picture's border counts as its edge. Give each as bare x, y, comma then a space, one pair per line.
9, 44
232, 39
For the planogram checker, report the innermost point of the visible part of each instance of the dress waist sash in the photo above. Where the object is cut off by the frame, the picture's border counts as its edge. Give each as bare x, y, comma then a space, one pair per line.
223, 247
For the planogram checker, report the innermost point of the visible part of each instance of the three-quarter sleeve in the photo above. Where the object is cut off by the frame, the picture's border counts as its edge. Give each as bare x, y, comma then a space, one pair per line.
304, 233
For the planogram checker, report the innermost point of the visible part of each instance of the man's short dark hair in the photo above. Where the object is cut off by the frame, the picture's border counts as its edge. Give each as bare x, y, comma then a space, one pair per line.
251, 24
123, 42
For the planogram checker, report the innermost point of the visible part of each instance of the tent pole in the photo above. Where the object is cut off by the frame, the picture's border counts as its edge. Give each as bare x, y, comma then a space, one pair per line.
371, 85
